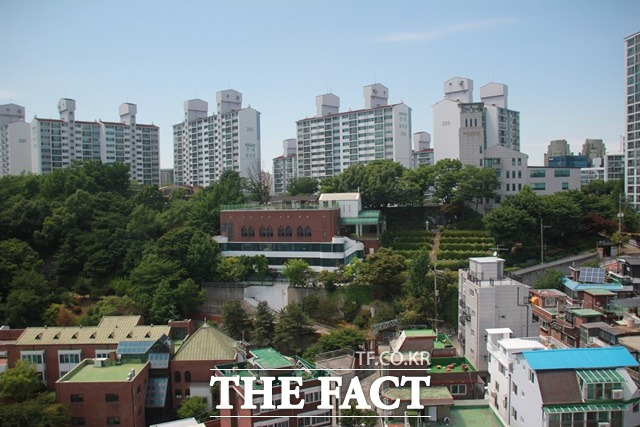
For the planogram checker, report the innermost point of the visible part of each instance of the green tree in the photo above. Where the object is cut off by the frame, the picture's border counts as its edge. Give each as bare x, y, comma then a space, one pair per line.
151, 271
293, 330
40, 411
304, 185
510, 225
419, 268
353, 417
15, 256
150, 197
550, 279
475, 184
384, 271
193, 407
445, 179
342, 338
263, 326
235, 320
20, 383
202, 255
111, 306
261, 266
297, 271
27, 301
187, 297
163, 307
232, 269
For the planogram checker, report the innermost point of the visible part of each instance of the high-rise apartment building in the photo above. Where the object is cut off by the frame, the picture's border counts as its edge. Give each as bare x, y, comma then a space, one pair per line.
15, 141
205, 145
57, 143
556, 148
422, 153
595, 150
632, 53
285, 167
498, 124
332, 141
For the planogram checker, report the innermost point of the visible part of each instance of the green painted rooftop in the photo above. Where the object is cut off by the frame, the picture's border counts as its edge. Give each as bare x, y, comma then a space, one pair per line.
431, 393
419, 333
268, 358
439, 365
86, 372
472, 416
585, 312
599, 292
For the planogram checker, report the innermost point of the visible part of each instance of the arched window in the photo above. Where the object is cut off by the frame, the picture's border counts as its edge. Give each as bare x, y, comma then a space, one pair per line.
187, 376
230, 230
251, 232
269, 231
307, 231
223, 228
263, 232
281, 231
176, 377
300, 232
243, 231
287, 232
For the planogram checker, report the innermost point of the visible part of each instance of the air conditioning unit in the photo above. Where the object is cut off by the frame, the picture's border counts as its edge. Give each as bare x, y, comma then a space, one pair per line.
617, 394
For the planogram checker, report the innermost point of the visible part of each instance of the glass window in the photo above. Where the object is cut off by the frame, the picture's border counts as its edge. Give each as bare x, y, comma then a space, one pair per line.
76, 398
111, 397
176, 376
187, 376
565, 185
113, 421
537, 173
251, 232
300, 232
307, 231
561, 173
243, 231
281, 231
269, 231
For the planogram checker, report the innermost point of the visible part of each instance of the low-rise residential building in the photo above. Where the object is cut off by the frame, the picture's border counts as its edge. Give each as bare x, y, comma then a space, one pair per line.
532, 385
588, 175
489, 299
550, 180
102, 392
269, 362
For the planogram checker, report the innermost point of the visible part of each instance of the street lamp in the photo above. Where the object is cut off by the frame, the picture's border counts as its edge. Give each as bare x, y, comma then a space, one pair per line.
542, 227
435, 294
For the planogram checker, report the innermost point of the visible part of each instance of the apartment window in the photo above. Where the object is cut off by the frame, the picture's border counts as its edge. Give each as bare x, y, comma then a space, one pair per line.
558, 173
532, 376
111, 397
69, 358
513, 161
178, 393
537, 173
187, 376
515, 389
176, 376
138, 391
76, 398
502, 369
312, 396
78, 421
565, 185
538, 186
458, 389
113, 421
514, 413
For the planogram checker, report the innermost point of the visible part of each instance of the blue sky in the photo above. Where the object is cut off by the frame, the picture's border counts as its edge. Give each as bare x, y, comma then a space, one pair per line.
562, 60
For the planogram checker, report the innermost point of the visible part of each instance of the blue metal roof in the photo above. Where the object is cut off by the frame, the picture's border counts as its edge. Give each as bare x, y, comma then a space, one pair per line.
577, 286
579, 358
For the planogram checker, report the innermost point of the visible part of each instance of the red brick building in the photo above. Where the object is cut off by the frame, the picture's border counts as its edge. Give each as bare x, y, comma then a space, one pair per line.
191, 365
105, 393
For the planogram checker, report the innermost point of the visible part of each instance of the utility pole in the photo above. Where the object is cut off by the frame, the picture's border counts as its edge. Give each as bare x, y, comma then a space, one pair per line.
435, 294
542, 227
620, 215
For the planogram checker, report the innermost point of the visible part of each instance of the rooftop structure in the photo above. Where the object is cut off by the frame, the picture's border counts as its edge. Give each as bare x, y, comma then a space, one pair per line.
90, 370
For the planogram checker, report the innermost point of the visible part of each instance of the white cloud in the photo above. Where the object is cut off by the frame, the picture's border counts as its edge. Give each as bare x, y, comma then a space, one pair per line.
443, 31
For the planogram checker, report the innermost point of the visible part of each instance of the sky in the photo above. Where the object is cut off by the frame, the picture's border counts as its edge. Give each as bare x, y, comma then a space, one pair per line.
563, 61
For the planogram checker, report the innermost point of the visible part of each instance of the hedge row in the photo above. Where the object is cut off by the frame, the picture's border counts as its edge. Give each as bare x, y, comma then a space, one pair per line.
465, 246
449, 239
410, 245
466, 233
416, 239
407, 254
464, 255
452, 264
411, 233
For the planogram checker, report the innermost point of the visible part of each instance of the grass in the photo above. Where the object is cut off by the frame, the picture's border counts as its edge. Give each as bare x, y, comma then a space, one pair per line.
112, 373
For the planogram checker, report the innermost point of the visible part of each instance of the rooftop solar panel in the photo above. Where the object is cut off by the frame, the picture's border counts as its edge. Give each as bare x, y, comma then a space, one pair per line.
591, 275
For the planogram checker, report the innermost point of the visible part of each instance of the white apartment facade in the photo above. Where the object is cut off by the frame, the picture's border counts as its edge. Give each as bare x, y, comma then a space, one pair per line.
632, 118
489, 299
57, 143
588, 175
332, 141
285, 167
532, 385
205, 145
422, 153
15, 141
499, 124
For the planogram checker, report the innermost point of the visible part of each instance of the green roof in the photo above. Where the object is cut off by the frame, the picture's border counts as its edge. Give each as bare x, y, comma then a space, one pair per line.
585, 312
599, 292
86, 372
207, 343
431, 393
585, 408
268, 358
601, 376
419, 333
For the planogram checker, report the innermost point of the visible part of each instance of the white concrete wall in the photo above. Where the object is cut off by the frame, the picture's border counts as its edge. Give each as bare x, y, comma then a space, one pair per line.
19, 148
402, 135
277, 296
446, 127
248, 140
